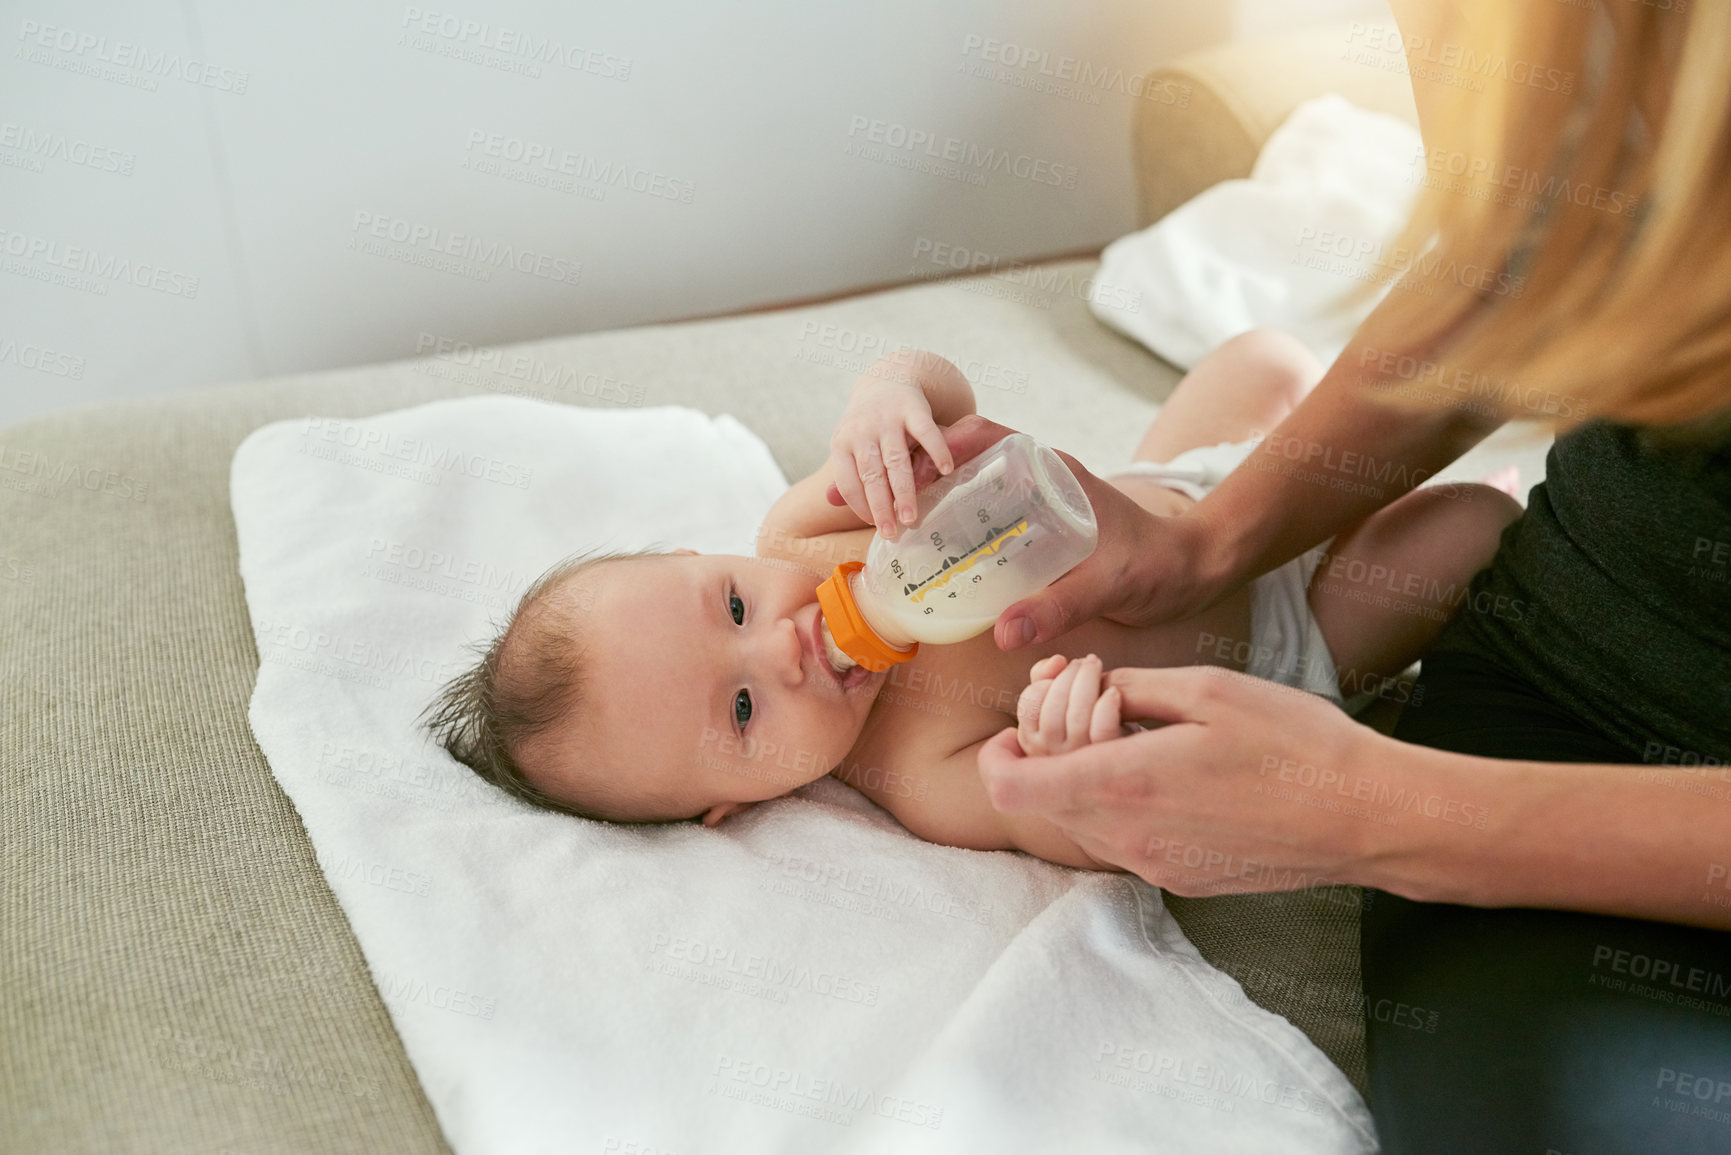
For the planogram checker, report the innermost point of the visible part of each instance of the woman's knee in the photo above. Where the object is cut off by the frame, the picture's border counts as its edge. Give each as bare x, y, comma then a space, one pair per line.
1460, 525
1477, 511
1490, 504
1439, 531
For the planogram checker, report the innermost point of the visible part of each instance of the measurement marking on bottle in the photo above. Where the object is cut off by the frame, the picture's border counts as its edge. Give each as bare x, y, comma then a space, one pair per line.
994, 541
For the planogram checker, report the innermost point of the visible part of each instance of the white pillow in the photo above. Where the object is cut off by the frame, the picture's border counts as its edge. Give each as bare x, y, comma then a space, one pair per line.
1328, 194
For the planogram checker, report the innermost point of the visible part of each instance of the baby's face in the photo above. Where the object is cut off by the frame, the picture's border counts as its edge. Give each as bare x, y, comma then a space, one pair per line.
706, 688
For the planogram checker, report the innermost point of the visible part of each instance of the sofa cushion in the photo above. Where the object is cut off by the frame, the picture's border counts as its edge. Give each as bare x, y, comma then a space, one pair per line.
179, 974
1210, 112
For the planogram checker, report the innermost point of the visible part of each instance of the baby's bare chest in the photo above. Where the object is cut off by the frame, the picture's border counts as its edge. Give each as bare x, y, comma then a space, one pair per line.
971, 688
950, 697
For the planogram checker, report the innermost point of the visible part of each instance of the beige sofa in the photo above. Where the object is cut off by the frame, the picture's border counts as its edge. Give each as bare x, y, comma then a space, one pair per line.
176, 975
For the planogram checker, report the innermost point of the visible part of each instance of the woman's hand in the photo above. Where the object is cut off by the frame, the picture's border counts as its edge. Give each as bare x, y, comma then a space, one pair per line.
888, 418
1145, 570
1244, 785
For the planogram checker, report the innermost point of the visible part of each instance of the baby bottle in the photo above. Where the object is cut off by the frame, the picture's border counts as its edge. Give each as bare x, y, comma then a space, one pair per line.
1004, 525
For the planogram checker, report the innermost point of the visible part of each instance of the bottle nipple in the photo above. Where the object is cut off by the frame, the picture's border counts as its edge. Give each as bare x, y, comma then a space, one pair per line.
837, 658
848, 637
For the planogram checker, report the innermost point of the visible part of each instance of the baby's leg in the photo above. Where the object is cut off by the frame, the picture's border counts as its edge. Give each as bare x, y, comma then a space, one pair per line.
1241, 390
1388, 585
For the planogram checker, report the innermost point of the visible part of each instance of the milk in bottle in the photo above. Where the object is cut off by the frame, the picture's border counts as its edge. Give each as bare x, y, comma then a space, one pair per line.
1002, 526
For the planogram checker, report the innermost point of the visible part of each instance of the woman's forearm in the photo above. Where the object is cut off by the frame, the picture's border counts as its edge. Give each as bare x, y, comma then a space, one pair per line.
1625, 840
1341, 455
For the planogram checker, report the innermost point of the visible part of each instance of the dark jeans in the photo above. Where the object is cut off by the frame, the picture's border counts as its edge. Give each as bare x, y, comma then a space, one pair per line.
1534, 1031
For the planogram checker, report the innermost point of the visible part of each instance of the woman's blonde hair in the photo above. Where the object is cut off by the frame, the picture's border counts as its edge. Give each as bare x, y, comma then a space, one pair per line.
1593, 143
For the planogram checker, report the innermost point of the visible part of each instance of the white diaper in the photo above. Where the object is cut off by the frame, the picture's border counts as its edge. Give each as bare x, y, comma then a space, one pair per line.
1286, 645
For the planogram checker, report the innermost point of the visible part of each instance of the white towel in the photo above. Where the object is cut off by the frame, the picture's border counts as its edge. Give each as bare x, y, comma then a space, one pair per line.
809, 977
1319, 213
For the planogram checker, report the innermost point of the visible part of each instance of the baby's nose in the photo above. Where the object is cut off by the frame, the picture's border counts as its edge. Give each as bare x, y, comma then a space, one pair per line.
788, 653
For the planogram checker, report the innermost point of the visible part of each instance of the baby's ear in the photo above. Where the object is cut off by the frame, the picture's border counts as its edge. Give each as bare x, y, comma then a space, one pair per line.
714, 815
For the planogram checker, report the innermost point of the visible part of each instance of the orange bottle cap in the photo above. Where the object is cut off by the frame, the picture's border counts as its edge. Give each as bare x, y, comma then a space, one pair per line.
848, 626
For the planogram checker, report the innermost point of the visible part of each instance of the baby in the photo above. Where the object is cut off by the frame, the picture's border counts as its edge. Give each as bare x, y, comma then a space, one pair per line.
661, 687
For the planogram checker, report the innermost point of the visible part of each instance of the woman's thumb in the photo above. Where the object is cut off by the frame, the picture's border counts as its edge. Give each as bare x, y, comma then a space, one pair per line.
1053, 611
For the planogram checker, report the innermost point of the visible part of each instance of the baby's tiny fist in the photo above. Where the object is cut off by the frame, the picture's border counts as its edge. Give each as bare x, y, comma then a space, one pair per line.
1028, 714
1047, 668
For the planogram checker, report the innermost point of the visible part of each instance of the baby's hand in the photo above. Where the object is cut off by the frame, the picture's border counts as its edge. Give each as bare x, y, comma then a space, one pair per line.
1063, 709
887, 416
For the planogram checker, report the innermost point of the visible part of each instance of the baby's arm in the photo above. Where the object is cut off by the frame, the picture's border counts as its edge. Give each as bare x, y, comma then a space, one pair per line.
953, 810
894, 411
1062, 709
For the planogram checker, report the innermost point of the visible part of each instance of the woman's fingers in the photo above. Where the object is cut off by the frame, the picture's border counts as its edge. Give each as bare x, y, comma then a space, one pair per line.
1139, 574
1106, 722
973, 435
1003, 748
925, 470
1020, 782
1176, 693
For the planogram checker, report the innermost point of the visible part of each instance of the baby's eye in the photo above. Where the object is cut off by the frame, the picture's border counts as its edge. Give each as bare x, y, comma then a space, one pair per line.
742, 708
736, 607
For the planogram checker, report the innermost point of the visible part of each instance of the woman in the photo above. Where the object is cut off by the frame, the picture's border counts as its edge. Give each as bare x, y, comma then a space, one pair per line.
1552, 889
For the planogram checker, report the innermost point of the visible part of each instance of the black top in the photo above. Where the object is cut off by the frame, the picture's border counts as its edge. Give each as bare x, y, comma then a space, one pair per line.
1612, 594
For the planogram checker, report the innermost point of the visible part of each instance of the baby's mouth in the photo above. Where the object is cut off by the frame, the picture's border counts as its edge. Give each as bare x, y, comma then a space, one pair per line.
846, 672
839, 663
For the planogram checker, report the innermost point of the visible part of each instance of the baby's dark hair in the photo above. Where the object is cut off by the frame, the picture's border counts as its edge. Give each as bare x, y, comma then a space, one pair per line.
528, 677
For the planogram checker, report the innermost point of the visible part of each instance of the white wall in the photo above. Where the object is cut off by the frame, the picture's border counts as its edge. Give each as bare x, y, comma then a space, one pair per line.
194, 192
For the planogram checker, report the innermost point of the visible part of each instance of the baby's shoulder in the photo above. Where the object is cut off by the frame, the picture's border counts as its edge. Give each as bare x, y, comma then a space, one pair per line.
924, 771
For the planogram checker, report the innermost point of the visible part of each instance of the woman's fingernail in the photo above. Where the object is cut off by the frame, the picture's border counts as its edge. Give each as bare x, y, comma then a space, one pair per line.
1024, 631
